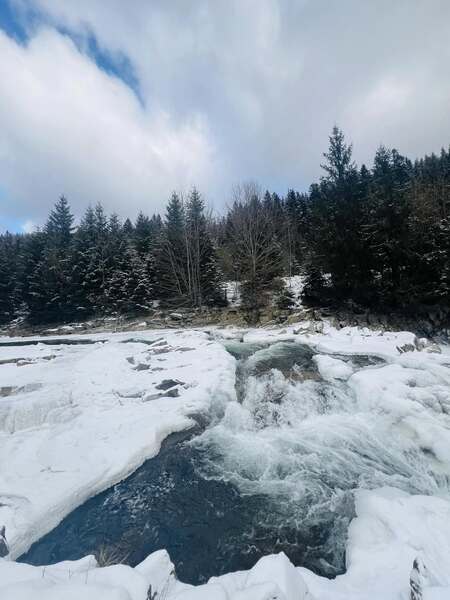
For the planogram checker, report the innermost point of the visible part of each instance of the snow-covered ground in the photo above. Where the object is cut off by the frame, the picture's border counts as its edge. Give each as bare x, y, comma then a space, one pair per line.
79, 418
75, 419
294, 284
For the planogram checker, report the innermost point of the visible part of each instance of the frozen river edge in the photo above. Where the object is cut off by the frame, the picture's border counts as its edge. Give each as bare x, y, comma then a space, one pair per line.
79, 419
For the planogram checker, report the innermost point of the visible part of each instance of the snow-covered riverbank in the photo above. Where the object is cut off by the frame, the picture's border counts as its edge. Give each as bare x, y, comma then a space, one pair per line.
76, 419
79, 418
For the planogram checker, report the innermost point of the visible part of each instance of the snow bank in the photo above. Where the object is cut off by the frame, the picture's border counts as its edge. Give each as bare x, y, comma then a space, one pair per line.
78, 423
272, 578
392, 530
332, 368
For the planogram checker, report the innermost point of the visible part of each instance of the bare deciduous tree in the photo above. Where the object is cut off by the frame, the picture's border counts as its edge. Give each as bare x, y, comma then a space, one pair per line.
253, 245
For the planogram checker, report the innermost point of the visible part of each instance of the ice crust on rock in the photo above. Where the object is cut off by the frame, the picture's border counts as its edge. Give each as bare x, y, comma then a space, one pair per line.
332, 368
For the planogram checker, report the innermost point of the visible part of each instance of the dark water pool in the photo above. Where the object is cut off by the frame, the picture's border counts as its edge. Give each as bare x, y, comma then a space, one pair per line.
207, 527
51, 342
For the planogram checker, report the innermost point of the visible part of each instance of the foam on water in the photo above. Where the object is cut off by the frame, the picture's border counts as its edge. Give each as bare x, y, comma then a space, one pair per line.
306, 445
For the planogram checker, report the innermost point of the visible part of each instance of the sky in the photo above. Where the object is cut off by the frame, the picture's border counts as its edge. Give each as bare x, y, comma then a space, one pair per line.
123, 102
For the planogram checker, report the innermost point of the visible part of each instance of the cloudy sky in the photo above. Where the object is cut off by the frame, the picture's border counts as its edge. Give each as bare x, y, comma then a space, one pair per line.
123, 101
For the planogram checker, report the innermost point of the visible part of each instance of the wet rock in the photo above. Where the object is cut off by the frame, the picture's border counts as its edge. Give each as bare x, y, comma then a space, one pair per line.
4, 549
9, 361
10, 390
176, 316
173, 393
164, 350
425, 345
421, 343
159, 343
141, 367
185, 349
315, 327
406, 348
131, 360
416, 580
166, 384
296, 317
434, 349
7, 390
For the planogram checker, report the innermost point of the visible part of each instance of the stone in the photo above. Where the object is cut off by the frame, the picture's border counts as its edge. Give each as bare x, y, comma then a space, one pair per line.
433, 349
4, 548
173, 393
7, 390
176, 316
421, 343
406, 348
168, 383
416, 580
141, 367
158, 344
164, 350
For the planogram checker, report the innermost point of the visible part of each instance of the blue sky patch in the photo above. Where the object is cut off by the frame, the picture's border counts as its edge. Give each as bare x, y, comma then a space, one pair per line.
20, 25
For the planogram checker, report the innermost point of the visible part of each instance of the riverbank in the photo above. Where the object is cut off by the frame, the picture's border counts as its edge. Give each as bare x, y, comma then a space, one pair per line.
109, 417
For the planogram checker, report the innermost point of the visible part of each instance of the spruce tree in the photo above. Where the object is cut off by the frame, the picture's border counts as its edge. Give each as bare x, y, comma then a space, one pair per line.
50, 284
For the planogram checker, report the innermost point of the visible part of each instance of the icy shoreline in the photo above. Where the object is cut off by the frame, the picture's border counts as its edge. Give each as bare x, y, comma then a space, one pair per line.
79, 422
92, 417
392, 530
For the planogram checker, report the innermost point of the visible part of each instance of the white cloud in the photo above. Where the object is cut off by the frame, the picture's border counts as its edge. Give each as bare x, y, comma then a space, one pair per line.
29, 226
67, 127
232, 90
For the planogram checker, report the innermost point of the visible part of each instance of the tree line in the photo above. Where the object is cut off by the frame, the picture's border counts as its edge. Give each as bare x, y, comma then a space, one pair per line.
375, 237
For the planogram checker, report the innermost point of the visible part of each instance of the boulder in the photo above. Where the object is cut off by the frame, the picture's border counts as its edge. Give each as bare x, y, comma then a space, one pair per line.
176, 316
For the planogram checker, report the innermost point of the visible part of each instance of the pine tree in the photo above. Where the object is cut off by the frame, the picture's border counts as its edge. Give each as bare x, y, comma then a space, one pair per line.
204, 275
284, 298
142, 234
338, 158
85, 285
8, 277
170, 254
50, 283
59, 226
129, 289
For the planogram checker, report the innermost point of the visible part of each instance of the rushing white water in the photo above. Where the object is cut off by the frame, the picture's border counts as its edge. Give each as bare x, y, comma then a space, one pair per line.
306, 443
